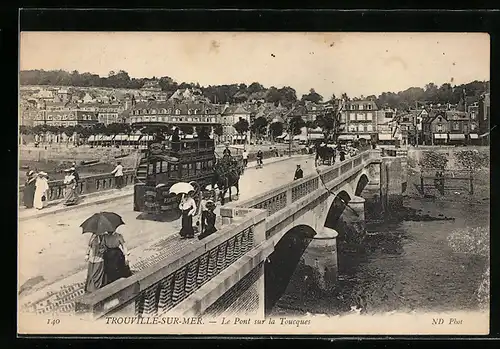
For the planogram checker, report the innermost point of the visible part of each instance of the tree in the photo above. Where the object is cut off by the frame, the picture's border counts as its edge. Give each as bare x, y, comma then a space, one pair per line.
276, 129
312, 96
296, 123
218, 130
432, 160
259, 126
241, 126
472, 160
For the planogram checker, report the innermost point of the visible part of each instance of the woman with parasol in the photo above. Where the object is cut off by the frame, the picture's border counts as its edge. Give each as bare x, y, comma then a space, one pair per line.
106, 252
188, 209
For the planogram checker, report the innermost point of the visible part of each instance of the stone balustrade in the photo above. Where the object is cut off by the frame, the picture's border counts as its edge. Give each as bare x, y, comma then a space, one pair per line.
86, 185
164, 285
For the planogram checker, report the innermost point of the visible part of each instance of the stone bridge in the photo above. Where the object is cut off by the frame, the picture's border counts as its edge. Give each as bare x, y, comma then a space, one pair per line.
225, 273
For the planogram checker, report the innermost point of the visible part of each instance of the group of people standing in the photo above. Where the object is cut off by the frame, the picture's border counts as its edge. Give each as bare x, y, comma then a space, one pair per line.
208, 217
36, 188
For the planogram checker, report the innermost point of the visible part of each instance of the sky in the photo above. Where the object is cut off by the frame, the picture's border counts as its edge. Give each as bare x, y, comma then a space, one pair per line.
354, 63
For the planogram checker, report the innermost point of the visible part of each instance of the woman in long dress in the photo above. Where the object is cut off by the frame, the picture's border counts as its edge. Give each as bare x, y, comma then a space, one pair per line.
70, 193
208, 218
29, 190
115, 258
188, 209
95, 270
42, 186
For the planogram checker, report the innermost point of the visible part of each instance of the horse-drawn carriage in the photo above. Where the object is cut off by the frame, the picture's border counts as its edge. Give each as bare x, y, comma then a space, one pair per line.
325, 154
175, 158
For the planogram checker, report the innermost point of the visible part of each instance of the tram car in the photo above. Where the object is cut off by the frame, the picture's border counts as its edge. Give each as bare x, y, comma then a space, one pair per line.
181, 158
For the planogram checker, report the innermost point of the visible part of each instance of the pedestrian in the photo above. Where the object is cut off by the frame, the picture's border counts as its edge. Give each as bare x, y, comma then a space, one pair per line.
75, 172
29, 190
259, 159
226, 150
245, 157
115, 258
95, 259
70, 192
188, 209
118, 172
208, 218
299, 174
41, 188
342, 154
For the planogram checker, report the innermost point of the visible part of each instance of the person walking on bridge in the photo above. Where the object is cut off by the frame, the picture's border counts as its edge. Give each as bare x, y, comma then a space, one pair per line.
226, 150
245, 157
188, 209
70, 191
95, 259
259, 159
118, 172
115, 258
299, 174
29, 190
42, 187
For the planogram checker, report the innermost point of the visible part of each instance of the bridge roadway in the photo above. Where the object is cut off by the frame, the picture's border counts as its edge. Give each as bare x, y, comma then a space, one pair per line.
53, 247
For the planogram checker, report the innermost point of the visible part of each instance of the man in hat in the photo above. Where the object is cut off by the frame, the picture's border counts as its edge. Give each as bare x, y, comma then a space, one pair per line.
298, 173
29, 189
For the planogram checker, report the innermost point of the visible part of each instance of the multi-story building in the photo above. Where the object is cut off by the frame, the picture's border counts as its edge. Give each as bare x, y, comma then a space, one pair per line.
230, 115
458, 126
386, 125
473, 115
110, 113
69, 116
360, 120
151, 86
435, 128
484, 117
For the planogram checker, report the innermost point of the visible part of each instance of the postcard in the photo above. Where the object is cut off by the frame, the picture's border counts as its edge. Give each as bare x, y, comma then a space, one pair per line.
254, 183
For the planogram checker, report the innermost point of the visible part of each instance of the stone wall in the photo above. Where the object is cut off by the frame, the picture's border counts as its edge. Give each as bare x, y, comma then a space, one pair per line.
244, 298
415, 154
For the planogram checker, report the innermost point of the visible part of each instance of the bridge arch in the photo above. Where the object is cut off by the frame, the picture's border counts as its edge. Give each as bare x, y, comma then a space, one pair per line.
361, 184
282, 263
337, 207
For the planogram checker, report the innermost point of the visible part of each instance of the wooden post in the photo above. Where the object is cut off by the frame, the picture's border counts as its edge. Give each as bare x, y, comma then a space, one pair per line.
471, 190
421, 183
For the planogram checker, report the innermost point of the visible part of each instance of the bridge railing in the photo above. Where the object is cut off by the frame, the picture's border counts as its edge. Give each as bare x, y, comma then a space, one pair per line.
278, 199
86, 185
161, 287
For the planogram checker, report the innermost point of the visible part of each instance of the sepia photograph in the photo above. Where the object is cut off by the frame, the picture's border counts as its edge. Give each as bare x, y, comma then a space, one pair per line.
254, 183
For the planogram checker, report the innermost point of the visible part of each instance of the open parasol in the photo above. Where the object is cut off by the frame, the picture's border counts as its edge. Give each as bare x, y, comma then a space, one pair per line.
181, 188
101, 223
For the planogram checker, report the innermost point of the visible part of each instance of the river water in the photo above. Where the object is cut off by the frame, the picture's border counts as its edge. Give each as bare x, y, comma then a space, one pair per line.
405, 265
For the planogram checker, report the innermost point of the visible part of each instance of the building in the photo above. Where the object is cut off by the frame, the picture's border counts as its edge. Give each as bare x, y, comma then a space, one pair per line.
151, 86
68, 116
230, 116
386, 126
360, 120
484, 117
435, 128
110, 113
458, 126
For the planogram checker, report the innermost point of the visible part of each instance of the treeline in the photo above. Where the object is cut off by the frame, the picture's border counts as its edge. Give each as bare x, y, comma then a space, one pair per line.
238, 93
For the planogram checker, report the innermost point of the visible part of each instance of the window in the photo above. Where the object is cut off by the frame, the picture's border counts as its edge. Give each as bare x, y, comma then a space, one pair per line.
352, 128
196, 111
157, 167
439, 127
184, 170
164, 166
369, 116
177, 112
144, 111
352, 107
472, 127
153, 111
473, 116
150, 168
361, 107
190, 111
207, 111
361, 116
456, 126
352, 116
361, 128
369, 128
198, 166
369, 107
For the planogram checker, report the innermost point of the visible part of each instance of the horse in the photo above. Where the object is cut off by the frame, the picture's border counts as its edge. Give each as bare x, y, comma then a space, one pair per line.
325, 154
227, 174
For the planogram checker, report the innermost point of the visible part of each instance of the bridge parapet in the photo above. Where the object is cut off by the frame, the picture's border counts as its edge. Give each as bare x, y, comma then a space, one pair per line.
86, 185
163, 286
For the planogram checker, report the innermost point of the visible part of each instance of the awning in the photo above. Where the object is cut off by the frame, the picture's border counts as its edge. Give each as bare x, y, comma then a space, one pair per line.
346, 137
134, 138
299, 138
457, 136
363, 137
440, 136
121, 137
484, 135
107, 138
91, 138
385, 137
239, 137
316, 136
474, 136
282, 136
